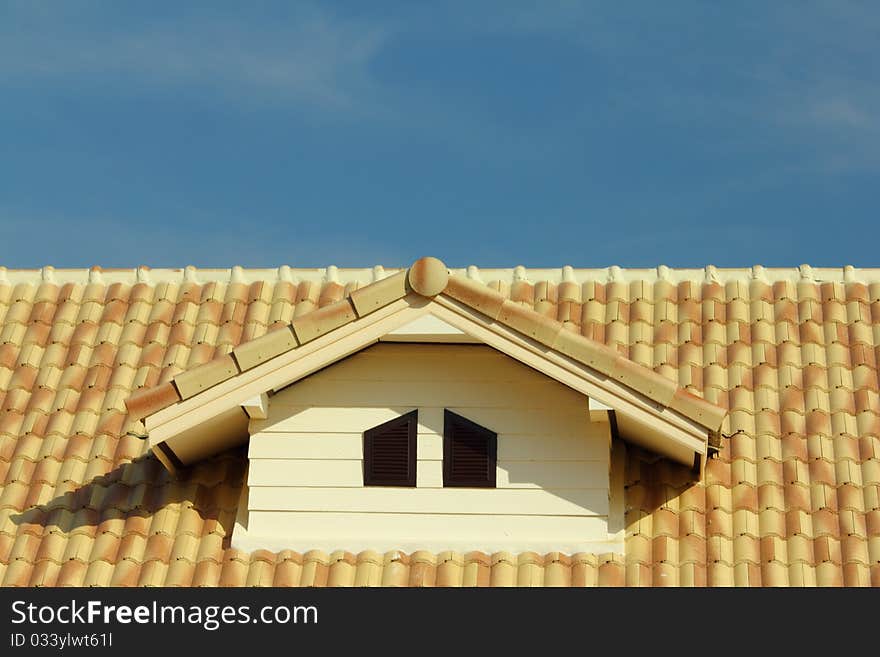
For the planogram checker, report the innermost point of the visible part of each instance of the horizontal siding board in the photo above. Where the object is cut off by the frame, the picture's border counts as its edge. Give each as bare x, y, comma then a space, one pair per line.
584, 502
328, 473
327, 419
313, 473
328, 446
340, 473
421, 527
521, 447
306, 446
306, 419
454, 364
511, 447
552, 474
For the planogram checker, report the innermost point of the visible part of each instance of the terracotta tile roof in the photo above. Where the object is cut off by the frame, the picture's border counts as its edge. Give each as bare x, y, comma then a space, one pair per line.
792, 498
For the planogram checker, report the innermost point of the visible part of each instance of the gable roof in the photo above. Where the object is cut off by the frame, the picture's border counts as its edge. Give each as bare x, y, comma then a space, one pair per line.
652, 409
792, 498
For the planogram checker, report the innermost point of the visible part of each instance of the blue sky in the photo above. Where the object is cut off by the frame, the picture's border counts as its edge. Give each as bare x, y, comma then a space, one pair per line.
488, 133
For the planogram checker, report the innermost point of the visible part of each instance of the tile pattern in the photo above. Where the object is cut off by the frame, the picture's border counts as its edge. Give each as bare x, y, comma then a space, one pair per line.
792, 498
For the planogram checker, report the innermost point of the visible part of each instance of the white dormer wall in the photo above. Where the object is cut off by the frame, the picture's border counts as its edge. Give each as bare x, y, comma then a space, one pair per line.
305, 481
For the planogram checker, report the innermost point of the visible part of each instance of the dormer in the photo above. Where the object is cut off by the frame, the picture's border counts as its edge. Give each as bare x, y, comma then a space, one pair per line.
409, 363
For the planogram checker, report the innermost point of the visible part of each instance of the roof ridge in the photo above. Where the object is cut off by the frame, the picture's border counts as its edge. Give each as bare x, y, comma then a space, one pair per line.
366, 275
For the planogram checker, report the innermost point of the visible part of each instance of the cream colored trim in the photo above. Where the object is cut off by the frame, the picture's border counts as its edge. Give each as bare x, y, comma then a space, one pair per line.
596, 405
257, 407
598, 410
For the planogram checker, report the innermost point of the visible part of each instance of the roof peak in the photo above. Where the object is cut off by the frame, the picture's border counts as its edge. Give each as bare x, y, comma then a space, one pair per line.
684, 421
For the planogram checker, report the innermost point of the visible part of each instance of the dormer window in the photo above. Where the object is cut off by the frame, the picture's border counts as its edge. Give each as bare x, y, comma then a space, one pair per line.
326, 406
469, 453
390, 452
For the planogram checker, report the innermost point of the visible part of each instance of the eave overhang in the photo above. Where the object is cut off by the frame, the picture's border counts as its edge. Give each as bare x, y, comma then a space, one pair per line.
206, 410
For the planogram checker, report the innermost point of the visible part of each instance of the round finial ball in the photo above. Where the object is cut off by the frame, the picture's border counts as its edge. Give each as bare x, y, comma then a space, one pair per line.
428, 276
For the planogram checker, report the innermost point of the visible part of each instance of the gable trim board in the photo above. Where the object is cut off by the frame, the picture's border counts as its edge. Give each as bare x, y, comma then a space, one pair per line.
653, 411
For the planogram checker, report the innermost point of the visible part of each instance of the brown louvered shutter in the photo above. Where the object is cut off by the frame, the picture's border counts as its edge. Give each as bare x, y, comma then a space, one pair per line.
469, 453
390, 452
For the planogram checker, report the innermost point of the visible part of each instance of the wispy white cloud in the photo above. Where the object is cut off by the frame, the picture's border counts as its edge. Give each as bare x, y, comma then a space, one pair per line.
313, 56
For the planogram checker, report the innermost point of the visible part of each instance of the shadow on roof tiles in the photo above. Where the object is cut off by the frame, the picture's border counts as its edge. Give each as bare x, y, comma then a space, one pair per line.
141, 489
